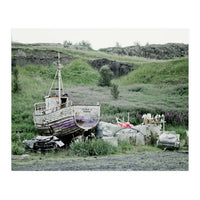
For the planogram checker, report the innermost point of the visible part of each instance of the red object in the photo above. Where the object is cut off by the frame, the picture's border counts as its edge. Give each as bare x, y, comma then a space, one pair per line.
126, 125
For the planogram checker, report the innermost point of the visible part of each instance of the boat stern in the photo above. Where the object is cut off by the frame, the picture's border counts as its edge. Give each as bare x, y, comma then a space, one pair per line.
87, 117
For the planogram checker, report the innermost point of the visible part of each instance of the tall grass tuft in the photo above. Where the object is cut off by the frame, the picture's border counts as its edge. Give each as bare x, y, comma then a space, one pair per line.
92, 148
114, 91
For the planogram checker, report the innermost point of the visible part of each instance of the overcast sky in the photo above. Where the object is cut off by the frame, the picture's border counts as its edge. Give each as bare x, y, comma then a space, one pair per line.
100, 38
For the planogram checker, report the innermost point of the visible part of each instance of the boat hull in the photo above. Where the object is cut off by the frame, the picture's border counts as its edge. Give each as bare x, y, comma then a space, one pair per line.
69, 121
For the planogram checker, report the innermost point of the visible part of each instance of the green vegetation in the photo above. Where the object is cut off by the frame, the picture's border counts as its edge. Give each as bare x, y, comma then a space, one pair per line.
129, 147
80, 73
158, 51
114, 91
15, 81
81, 45
79, 54
171, 72
92, 148
153, 87
99, 147
76, 73
17, 149
106, 76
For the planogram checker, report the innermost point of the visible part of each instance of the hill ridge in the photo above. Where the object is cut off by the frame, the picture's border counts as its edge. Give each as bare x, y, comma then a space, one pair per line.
155, 51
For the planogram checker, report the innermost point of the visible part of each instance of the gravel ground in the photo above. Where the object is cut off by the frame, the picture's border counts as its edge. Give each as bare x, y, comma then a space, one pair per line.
145, 161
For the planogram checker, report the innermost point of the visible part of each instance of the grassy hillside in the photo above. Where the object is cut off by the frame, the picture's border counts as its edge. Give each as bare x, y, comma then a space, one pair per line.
157, 51
76, 54
170, 72
145, 70
76, 73
155, 87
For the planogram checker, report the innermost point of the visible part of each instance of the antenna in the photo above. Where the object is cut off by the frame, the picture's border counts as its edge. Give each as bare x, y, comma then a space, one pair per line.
60, 83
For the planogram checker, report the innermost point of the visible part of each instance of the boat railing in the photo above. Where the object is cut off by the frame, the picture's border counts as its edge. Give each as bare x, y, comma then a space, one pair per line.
86, 104
40, 108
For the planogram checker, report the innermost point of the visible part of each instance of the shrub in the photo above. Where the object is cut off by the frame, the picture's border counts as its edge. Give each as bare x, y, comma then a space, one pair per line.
181, 89
106, 76
92, 148
85, 44
15, 82
16, 149
114, 91
67, 43
174, 117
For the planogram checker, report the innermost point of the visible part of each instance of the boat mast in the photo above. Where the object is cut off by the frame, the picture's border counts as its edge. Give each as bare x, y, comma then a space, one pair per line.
59, 80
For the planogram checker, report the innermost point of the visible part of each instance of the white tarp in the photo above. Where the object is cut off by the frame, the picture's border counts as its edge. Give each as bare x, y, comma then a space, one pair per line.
139, 133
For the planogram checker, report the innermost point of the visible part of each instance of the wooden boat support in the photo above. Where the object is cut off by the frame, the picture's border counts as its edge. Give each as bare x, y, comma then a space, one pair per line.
59, 117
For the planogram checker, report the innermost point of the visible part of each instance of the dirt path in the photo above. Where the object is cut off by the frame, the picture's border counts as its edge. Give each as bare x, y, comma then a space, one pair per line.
146, 161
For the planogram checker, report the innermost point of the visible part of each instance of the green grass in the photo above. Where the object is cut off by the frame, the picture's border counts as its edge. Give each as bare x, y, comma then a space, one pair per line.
129, 147
97, 147
170, 72
86, 55
76, 73
80, 73
150, 88
136, 99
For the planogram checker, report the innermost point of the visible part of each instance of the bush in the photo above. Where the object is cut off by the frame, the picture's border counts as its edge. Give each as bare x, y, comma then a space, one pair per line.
174, 117
15, 81
85, 44
181, 89
114, 91
67, 43
16, 149
92, 148
106, 76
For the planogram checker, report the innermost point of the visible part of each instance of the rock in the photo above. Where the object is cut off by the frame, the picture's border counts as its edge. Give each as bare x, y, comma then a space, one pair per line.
126, 134
118, 68
140, 139
144, 129
37, 57
111, 140
150, 129
155, 51
108, 129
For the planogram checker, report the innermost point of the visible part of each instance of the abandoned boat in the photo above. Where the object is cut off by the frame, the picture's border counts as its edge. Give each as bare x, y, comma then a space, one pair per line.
58, 116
